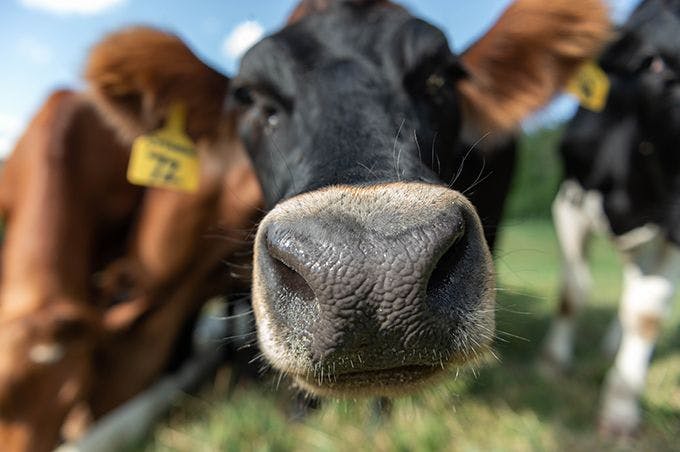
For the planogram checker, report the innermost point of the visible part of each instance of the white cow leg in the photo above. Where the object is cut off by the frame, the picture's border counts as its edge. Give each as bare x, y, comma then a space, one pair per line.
649, 282
573, 224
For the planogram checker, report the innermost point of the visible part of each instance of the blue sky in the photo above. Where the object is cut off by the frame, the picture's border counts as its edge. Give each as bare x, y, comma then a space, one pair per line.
44, 42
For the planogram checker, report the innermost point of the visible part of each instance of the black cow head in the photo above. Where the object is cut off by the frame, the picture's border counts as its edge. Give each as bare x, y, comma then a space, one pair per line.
628, 152
371, 275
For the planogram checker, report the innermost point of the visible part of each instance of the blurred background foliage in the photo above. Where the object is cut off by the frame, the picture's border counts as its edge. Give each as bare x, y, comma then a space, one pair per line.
537, 176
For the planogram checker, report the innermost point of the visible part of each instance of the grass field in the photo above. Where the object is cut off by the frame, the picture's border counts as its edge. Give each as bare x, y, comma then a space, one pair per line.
498, 406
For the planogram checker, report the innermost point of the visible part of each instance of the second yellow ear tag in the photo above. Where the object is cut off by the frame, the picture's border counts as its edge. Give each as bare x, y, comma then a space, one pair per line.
590, 85
166, 158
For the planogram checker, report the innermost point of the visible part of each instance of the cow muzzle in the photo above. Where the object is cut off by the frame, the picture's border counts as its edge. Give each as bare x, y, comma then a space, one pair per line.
372, 290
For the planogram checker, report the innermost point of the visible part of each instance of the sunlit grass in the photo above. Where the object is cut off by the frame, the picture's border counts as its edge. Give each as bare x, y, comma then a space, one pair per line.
502, 406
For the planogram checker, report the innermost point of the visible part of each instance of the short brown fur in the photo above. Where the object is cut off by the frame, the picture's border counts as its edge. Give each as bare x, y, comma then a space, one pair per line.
70, 212
531, 52
137, 73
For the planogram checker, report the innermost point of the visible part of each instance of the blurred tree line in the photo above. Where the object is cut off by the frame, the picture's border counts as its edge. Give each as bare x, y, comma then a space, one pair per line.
538, 174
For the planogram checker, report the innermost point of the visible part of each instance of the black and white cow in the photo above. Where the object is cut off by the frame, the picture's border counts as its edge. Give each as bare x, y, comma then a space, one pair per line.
622, 173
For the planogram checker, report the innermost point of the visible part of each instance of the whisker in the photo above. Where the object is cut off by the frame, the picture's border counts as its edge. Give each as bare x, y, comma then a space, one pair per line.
278, 380
434, 140
514, 336
257, 357
467, 154
236, 196
234, 316
523, 294
370, 170
401, 148
237, 265
415, 138
246, 345
244, 253
479, 178
236, 336
219, 232
285, 162
226, 238
394, 147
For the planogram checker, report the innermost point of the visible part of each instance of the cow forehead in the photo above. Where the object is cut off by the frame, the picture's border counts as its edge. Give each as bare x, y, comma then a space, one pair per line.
343, 26
366, 35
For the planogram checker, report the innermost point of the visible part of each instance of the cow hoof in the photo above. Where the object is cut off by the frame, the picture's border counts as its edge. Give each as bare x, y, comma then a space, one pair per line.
619, 419
619, 428
620, 413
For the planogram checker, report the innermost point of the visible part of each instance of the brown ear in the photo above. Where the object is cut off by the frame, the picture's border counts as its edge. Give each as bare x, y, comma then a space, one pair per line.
526, 58
305, 8
136, 74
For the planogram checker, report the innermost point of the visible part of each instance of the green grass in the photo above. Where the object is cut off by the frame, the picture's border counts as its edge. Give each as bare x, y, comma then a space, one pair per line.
537, 175
501, 406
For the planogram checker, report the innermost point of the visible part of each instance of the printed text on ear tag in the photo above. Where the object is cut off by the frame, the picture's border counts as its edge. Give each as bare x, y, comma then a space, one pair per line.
591, 86
166, 158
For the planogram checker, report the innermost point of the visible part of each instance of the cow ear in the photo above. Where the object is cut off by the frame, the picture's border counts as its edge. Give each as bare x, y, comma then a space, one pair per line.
306, 7
136, 74
526, 58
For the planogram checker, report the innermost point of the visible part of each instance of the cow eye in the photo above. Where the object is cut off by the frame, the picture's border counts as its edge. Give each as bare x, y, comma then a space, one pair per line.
433, 75
658, 65
243, 95
434, 83
653, 63
272, 116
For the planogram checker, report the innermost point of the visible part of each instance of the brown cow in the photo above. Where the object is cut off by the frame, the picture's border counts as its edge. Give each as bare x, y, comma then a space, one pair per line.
71, 339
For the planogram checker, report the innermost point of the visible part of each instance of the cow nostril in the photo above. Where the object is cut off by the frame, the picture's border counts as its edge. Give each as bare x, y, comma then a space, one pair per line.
292, 281
283, 268
442, 275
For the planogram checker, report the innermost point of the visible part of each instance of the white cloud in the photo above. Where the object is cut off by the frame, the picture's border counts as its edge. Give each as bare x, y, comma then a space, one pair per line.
35, 51
10, 128
241, 39
86, 7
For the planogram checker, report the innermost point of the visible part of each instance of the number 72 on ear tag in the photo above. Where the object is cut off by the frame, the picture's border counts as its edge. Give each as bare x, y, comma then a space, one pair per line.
166, 158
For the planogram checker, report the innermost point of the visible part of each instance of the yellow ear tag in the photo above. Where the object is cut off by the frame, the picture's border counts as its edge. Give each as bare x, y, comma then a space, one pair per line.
590, 85
166, 158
